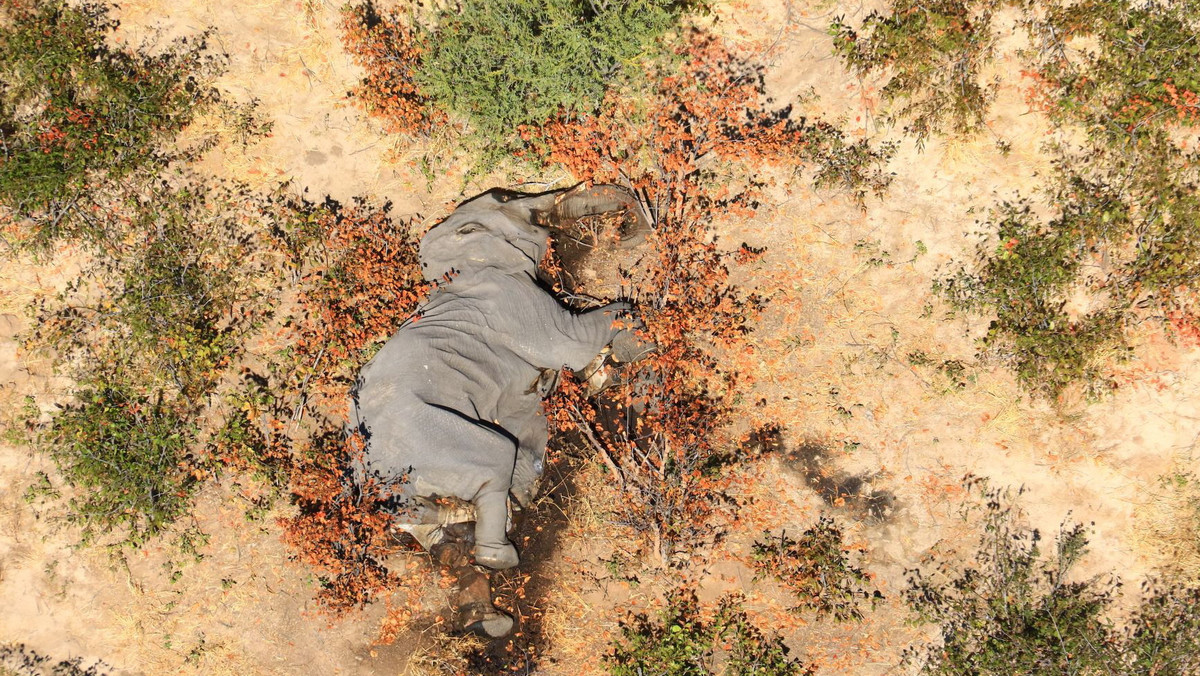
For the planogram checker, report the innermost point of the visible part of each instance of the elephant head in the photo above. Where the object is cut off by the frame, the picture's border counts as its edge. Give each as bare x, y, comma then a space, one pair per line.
507, 231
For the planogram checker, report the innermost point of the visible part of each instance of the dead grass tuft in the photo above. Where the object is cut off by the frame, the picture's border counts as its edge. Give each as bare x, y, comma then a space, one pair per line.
1170, 522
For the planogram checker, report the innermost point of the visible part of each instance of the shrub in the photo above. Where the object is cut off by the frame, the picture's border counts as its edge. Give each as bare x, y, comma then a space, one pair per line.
252, 440
502, 65
343, 528
148, 330
698, 130
77, 112
708, 109
1120, 219
127, 455
359, 280
1134, 234
933, 52
817, 569
185, 282
1138, 80
1136, 106
171, 293
498, 66
682, 642
1013, 610
1163, 635
1026, 279
387, 49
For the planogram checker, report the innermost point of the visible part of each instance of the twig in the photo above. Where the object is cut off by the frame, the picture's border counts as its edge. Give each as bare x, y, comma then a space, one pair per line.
581, 423
298, 413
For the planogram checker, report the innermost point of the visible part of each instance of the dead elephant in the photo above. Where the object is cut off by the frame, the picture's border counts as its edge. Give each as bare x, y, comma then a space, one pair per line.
452, 401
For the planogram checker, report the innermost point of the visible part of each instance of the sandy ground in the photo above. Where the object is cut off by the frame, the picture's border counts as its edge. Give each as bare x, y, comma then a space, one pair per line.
829, 358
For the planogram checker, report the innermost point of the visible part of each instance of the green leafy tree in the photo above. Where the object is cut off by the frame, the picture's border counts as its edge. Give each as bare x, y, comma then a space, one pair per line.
501, 65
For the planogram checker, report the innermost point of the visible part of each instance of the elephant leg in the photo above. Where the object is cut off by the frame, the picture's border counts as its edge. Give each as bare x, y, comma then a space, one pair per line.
492, 548
473, 604
434, 518
532, 436
472, 601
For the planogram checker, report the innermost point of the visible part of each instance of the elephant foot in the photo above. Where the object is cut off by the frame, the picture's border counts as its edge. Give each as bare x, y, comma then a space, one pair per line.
484, 620
473, 603
497, 558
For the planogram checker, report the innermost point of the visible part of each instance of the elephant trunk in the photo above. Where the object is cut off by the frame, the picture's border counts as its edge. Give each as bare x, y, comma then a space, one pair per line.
580, 202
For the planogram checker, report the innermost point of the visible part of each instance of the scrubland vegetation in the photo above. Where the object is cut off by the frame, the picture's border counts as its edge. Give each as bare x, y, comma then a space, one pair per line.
213, 330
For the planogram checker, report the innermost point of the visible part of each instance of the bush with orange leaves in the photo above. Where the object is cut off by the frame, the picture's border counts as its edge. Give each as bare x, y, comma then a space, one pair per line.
681, 148
359, 281
343, 527
702, 117
386, 48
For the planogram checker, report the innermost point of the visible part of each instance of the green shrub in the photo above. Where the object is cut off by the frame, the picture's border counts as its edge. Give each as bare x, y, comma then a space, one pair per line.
173, 289
1139, 80
682, 642
1013, 611
1017, 610
126, 455
838, 164
148, 330
1025, 276
933, 52
817, 569
1163, 635
1119, 224
250, 442
1119, 229
501, 65
76, 111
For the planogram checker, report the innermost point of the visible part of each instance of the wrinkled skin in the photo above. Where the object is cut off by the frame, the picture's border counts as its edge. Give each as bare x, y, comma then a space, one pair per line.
453, 399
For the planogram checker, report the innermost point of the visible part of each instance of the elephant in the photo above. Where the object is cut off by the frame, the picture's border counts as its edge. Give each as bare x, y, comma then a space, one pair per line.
452, 401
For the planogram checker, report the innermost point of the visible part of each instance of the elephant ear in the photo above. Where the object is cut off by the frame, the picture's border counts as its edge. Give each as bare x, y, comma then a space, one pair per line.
602, 198
438, 256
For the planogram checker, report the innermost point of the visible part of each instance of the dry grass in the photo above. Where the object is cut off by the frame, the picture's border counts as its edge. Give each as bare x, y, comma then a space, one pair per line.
439, 653
1171, 521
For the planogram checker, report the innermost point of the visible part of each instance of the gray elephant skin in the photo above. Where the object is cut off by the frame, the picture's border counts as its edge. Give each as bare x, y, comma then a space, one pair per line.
452, 400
